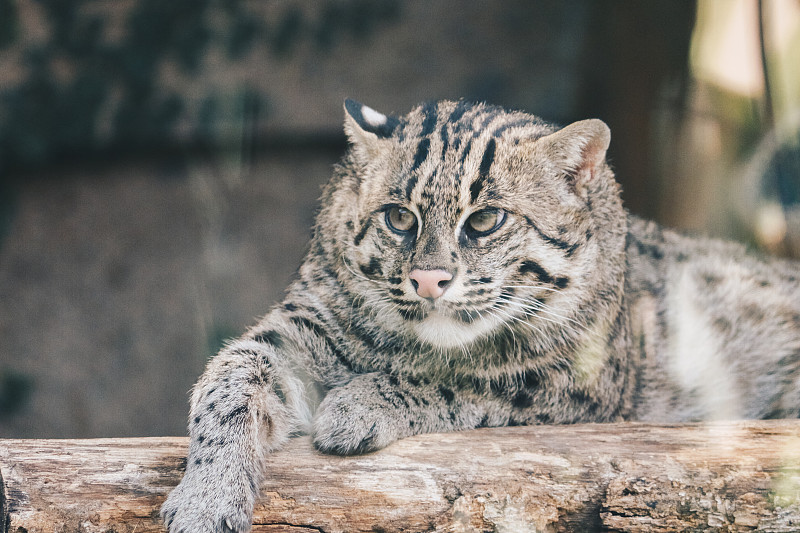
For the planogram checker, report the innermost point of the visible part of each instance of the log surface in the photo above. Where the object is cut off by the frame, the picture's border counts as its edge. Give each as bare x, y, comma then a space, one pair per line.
742, 476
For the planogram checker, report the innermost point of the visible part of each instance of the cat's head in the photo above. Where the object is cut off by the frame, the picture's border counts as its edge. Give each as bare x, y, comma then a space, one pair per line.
460, 221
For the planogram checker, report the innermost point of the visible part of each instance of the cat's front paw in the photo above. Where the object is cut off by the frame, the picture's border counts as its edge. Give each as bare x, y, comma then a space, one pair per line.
346, 424
208, 504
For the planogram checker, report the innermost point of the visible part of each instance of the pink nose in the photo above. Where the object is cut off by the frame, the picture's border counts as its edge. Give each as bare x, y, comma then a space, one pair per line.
430, 283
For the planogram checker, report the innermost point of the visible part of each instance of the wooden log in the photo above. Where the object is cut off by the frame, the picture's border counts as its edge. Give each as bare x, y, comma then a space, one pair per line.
739, 476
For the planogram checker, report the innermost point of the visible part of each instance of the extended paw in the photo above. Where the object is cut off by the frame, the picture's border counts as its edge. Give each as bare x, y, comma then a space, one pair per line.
347, 425
206, 504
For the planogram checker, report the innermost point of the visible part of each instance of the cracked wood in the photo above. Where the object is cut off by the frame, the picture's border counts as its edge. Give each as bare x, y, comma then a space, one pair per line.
742, 476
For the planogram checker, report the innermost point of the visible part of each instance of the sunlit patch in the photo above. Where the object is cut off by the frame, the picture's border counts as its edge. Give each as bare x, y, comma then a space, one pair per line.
786, 486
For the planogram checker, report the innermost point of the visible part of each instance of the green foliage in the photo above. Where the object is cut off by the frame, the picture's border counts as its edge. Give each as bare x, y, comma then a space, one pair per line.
219, 336
15, 391
9, 22
83, 91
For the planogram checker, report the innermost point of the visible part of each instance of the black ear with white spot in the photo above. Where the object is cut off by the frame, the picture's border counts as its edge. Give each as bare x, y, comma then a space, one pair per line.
366, 119
365, 127
579, 149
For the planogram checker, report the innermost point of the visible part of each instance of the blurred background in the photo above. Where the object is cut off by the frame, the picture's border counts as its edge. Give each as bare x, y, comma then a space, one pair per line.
160, 162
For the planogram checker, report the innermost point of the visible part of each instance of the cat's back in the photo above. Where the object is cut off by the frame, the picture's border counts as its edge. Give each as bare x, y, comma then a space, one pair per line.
718, 327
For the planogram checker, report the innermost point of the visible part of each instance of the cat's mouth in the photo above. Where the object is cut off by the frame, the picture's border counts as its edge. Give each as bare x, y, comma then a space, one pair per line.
451, 328
440, 310
462, 315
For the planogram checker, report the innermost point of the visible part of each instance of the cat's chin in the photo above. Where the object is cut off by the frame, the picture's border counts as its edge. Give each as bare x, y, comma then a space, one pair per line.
441, 331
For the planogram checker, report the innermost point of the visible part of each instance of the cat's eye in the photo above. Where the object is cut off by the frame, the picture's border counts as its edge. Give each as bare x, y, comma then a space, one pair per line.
484, 222
400, 220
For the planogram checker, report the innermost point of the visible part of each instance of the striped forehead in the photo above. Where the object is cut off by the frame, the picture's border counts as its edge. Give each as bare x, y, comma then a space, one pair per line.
454, 146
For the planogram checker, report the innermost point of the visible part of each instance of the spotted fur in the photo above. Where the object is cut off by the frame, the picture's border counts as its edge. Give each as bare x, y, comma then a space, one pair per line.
561, 308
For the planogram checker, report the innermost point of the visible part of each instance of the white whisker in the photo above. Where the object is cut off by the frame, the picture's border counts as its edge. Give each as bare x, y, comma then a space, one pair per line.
513, 285
518, 319
513, 335
541, 314
538, 306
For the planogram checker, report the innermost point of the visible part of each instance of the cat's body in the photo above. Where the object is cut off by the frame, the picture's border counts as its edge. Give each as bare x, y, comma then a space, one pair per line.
473, 267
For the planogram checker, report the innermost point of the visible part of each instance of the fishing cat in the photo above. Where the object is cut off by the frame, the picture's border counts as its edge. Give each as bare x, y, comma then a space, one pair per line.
474, 267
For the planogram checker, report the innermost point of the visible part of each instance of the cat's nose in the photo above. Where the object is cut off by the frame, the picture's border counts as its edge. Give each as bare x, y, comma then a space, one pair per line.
430, 283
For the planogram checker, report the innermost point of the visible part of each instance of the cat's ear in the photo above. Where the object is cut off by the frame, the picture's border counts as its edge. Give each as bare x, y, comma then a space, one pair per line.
579, 149
366, 128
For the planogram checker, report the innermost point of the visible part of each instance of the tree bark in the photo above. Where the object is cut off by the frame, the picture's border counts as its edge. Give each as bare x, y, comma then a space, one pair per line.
739, 476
